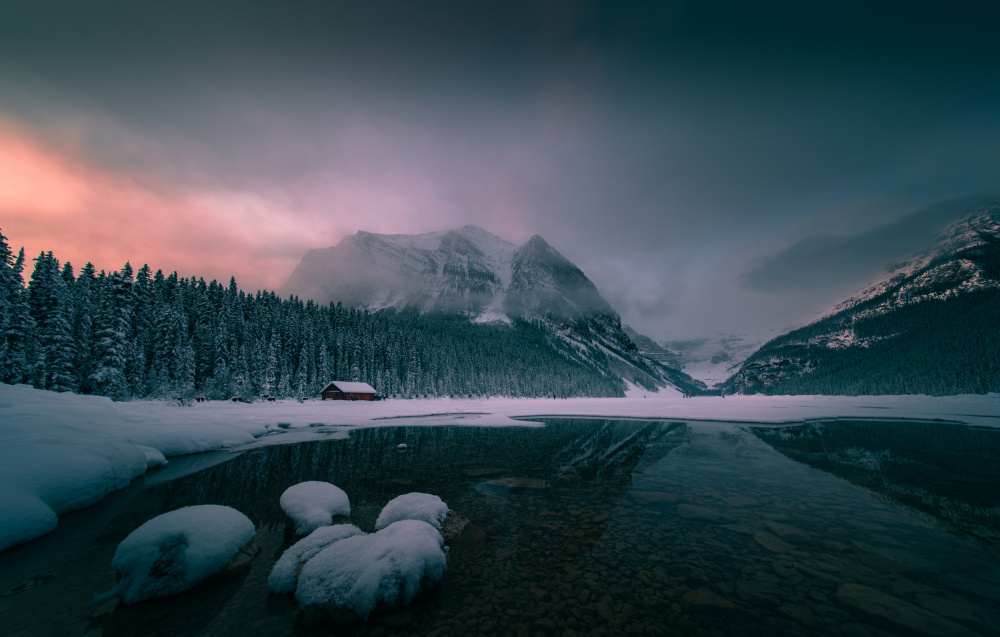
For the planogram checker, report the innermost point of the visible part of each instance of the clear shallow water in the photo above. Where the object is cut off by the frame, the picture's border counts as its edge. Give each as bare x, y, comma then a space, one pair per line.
589, 526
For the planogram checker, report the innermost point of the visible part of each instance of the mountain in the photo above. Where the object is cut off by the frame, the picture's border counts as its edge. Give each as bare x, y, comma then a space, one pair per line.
711, 359
471, 272
928, 326
669, 363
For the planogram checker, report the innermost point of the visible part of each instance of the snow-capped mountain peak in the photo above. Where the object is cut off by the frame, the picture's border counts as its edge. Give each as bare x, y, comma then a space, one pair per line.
471, 272
466, 270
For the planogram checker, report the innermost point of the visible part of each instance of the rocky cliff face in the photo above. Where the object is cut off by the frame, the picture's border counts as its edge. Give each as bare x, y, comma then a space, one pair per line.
927, 326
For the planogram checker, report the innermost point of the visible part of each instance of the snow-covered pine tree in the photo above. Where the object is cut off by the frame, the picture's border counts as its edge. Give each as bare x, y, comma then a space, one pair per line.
241, 373
49, 306
269, 383
301, 375
110, 332
8, 291
285, 379
204, 334
83, 325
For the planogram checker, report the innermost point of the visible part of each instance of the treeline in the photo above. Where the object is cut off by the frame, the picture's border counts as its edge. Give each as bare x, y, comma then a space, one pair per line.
142, 334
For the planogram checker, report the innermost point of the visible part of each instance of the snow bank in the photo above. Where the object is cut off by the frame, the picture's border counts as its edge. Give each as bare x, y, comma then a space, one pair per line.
56, 455
60, 452
283, 576
313, 504
176, 550
24, 516
413, 506
388, 566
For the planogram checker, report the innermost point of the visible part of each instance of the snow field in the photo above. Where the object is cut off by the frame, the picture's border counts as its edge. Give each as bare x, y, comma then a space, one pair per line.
176, 550
313, 504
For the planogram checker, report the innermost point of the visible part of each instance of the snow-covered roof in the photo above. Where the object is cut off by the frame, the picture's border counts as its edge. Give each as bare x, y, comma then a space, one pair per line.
350, 388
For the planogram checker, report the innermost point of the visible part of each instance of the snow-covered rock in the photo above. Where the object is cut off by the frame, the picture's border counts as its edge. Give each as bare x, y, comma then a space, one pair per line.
413, 506
388, 567
313, 504
174, 551
284, 575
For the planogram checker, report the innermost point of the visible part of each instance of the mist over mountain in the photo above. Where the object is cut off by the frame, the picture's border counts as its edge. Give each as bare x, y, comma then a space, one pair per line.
929, 325
466, 270
470, 272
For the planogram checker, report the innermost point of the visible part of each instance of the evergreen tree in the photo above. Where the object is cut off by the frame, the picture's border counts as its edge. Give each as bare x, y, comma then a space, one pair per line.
269, 384
108, 377
49, 305
83, 326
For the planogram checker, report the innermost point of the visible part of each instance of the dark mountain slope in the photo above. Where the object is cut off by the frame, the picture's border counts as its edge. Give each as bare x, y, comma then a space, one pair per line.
929, 327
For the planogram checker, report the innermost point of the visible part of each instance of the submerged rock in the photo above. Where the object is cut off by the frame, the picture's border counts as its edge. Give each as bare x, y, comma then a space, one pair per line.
453, 525
772, 542
654, 497
696, 512
902, 614
705, 597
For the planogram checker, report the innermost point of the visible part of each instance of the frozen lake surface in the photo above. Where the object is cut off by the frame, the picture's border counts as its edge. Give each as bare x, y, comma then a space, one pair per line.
592, 526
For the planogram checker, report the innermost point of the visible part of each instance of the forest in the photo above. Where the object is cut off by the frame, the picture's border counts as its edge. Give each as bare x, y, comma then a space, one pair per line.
131, 334
937, 347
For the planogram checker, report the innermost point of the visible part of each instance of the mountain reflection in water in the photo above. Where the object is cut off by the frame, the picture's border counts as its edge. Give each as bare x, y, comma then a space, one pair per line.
948, 471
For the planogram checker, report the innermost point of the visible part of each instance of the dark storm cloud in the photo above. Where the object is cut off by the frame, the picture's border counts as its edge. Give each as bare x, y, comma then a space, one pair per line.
656, 144
825, 261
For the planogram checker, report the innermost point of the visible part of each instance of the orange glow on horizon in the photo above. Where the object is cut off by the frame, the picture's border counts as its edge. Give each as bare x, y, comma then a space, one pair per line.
51, 201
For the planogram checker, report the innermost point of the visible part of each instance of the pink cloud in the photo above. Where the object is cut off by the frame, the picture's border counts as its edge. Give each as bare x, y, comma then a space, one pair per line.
54, 200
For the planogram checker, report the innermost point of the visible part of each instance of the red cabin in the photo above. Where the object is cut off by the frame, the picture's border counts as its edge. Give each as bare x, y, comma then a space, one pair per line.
343, 390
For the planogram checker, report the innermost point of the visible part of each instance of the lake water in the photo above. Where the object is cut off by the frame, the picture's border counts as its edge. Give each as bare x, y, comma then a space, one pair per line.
587, 526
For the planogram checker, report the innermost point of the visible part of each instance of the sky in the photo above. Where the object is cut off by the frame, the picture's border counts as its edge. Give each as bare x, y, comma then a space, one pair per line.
714, 167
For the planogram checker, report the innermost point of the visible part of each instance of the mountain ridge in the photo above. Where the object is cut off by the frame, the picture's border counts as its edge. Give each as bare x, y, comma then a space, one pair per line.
928, 325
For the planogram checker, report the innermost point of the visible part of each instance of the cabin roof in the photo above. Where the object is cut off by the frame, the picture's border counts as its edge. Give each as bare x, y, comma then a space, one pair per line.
349, 387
